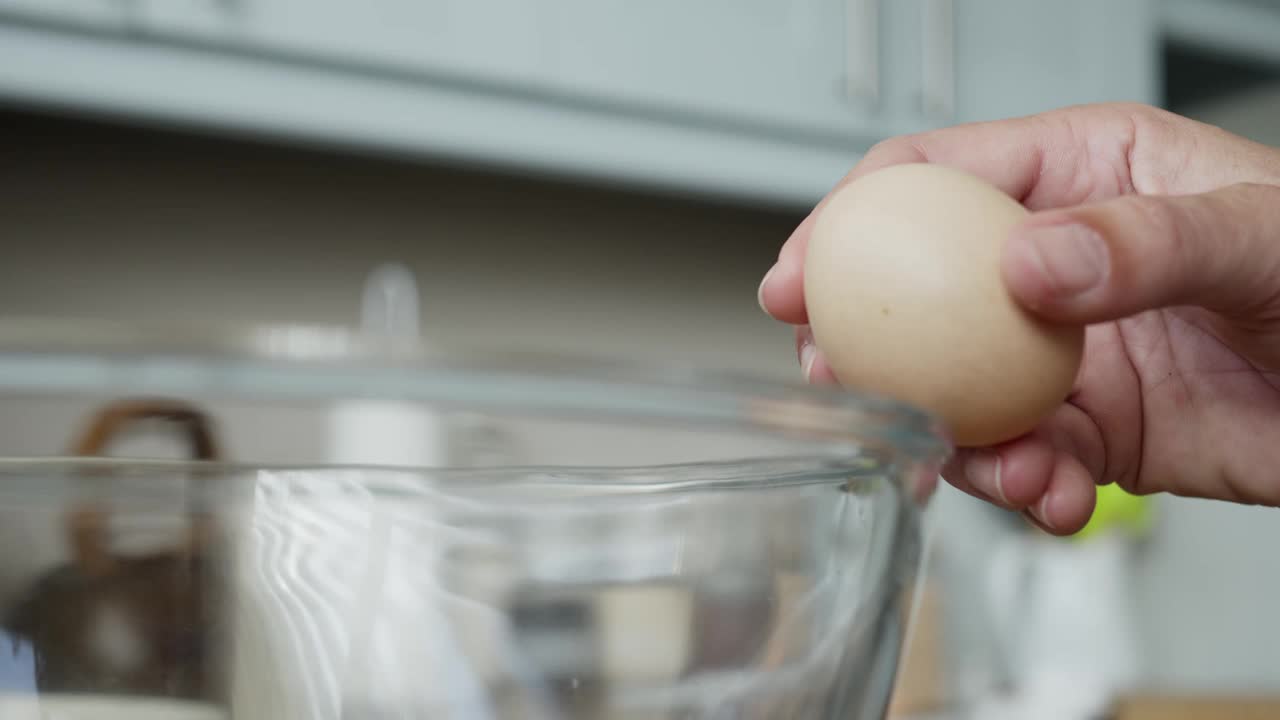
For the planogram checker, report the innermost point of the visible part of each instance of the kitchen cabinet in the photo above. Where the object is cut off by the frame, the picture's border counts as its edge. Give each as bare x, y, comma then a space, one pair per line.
755, 100
1015, 57
1187, 706
470, 40
854, 70
972, 60
803, 66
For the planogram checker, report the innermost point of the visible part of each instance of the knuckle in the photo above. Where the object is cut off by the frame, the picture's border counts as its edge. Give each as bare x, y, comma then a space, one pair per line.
886, 152
1144, 111
902, 148
1157, 120
890, 146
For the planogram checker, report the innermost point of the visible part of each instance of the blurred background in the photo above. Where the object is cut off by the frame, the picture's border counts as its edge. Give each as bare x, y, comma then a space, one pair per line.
595, 176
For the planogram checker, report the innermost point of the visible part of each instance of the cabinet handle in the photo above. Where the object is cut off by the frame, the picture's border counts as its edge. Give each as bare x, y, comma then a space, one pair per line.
862, 51
938, 84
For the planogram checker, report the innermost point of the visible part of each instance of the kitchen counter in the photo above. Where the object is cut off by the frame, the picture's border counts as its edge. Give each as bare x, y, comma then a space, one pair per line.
1198, 707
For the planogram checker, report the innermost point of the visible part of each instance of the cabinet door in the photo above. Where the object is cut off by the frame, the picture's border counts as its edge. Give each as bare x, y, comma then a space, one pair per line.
798, 66
462, 40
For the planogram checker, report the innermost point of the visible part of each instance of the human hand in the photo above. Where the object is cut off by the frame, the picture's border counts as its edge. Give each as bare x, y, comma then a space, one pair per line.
1162, 235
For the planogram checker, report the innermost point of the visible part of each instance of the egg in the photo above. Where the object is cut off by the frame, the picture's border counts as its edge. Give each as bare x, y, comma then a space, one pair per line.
906, 300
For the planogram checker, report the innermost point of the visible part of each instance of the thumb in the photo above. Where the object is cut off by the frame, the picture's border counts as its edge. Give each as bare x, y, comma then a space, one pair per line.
1219, 250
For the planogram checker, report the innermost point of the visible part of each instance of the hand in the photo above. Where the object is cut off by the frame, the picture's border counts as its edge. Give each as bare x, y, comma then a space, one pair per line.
1162, 235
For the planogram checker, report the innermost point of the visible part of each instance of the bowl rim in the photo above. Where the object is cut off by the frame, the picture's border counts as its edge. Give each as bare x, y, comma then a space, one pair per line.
311, 360
89, 474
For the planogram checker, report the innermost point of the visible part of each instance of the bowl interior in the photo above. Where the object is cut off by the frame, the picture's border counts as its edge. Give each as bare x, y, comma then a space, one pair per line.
313, 529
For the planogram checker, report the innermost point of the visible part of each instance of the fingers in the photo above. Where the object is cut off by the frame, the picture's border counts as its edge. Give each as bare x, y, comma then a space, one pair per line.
1057, 159
812, 362
781, 291
1067, 505
1219, 250
1048, 484
1041, 160
1013, 476
1050, 475
1095, 438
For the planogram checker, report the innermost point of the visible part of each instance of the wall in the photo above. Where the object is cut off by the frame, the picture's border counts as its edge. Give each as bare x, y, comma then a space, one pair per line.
130, 225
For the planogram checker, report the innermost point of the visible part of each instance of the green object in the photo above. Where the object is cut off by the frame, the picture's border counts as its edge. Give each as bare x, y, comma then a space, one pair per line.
1118, 509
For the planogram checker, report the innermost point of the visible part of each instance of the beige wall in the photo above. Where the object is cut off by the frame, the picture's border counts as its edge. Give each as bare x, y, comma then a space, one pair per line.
127, 224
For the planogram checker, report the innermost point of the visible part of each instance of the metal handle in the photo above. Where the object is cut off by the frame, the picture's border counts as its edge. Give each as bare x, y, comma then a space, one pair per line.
111, 420
86, 525
862, 51
938, 81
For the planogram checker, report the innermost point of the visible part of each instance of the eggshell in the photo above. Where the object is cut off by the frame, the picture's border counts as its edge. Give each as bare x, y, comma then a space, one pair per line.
905, 299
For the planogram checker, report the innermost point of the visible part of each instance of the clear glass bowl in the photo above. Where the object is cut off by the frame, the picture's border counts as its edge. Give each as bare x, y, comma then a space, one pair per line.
330, 527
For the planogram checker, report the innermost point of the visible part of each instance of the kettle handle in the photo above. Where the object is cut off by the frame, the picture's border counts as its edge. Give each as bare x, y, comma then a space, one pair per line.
87, 525
111, 420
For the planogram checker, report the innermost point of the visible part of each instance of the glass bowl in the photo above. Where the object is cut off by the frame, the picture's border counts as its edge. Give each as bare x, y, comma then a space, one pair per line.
301, 522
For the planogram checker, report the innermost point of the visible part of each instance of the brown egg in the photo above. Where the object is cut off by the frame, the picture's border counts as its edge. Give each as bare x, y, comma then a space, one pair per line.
906, 300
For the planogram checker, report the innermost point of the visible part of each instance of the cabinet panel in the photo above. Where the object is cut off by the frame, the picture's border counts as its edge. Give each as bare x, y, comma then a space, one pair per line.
811, 65
81, 12
469, 40
1016, 58
967, 60
826, 70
